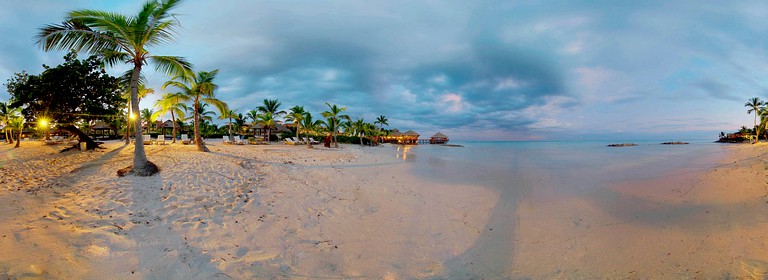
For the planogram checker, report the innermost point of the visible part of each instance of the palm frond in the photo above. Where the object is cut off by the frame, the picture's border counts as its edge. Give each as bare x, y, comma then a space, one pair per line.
171, 65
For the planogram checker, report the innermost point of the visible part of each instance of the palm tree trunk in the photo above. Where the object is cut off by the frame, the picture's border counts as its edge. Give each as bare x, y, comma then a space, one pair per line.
8, 136
139, 156
298, 127
128, 130
755, 127
18, 140
229, 128
309, 145
198, 140
173, 123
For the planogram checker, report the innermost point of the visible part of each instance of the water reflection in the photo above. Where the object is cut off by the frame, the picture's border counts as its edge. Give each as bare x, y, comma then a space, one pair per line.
404, 149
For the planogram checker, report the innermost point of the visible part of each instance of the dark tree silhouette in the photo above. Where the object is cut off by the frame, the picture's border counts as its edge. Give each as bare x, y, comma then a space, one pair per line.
78, 90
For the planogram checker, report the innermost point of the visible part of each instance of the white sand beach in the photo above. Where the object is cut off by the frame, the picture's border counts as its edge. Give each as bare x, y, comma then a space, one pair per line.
287, 212
239, 212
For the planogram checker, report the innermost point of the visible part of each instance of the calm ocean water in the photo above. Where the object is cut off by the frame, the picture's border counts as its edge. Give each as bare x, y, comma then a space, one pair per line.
565, 165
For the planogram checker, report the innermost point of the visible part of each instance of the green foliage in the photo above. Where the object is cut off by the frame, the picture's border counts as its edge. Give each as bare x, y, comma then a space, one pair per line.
74, 91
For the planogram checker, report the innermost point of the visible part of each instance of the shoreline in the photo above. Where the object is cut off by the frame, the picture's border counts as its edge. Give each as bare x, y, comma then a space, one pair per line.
282, 211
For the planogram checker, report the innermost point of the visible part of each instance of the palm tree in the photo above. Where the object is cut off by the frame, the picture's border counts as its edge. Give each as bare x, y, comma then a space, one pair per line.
229, 114
754, 105
309, 125
240, 123
171, 103
333, 115
147, 114
121, 38
296, 115
358, 127
382, 121
267, 120
6, 114
254, 116
271, 106
199, 88
17, 123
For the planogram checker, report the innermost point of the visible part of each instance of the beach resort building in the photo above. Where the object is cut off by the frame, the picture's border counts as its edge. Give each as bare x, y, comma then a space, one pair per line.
409, 137
438, 138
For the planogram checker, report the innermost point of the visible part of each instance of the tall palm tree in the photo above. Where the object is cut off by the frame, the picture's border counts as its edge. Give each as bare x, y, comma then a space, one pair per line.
198, 88
296, 115
240, 123
271, 106
309, 125
333, 115
267, 120
120, 38
228, 114
382, 121
171, 103
754, 105
254, 116
358, 127
147, 114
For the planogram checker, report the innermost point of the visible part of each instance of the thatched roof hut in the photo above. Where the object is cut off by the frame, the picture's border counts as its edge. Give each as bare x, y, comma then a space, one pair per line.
438, 138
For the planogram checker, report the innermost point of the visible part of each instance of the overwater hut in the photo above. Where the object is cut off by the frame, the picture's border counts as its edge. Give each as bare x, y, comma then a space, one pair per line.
102, 130
438, 138
409, 137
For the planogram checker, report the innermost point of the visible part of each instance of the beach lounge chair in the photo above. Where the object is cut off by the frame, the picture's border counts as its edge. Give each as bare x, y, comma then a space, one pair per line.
240, 140
160, 140
289, 141
185, 140
147, 139
313, 141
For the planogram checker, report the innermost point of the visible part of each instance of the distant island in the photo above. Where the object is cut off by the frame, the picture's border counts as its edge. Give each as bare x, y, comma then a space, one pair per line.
622, 145
675, 143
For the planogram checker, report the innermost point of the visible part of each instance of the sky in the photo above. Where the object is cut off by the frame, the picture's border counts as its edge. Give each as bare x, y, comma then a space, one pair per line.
474, 70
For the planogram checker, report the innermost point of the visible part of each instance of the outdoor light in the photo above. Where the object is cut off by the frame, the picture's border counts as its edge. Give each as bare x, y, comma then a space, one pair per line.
43, 123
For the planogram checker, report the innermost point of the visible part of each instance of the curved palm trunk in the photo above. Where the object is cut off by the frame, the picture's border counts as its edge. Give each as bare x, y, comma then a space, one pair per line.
361, 139
139, 156
198, 140
173, 124
298, 135
335, 142
309, 145
8, 136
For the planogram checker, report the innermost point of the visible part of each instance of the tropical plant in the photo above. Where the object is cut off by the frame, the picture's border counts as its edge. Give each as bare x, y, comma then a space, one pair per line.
171, 103
310, 125
120, 38
296, 115
358, 127
271, 106
333, 115
240, 123
6, 114
228, 114
254, 116
198, 88
382, 121
267, 120
17, 123
147, 114
754, 105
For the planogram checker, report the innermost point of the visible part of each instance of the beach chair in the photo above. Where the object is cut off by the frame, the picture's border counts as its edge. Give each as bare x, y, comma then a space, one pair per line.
147, 139
160, 140
313, 141
241, 140
185, 140
225, 140
289, 141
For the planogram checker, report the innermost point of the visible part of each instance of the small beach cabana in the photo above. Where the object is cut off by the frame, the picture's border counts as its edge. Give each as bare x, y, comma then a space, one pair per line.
168, 125
101, 130
438, 138
409, 137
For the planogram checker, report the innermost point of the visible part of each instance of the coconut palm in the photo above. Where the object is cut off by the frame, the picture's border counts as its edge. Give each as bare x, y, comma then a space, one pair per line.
228, 114
6, 114
296, 115
754, 105
147, 114
333, 115
120, 38
198, 88
267, 120
309, 125
358, 129
271, 106
17, 123
171, 103
254, 116
382, 121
